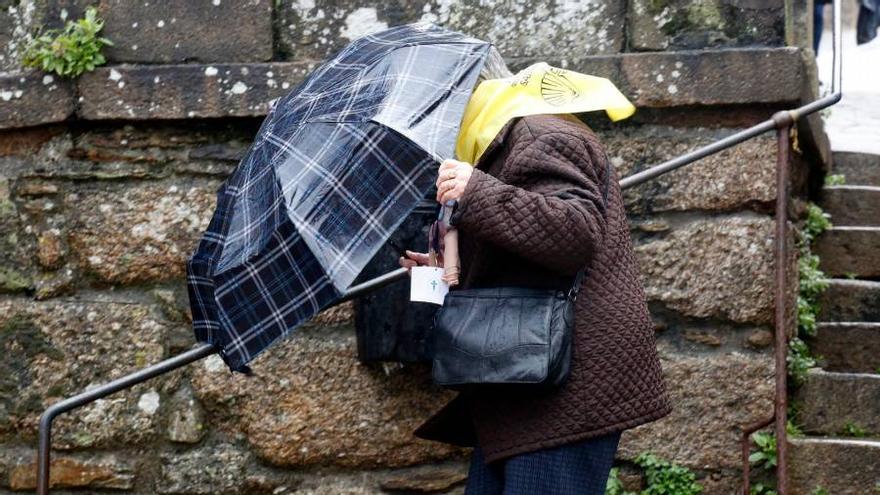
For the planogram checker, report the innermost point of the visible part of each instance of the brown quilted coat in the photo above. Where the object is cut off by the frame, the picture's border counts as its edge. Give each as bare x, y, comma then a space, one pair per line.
532, 215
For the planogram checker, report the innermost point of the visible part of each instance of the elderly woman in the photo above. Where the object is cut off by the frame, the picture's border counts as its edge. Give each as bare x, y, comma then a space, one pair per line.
538, 205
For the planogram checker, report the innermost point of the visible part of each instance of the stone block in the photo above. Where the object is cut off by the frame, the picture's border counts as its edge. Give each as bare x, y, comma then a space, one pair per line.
311, 403
221, 468
713, 77
848, 346
186, 30
316, 29
858, 168
852, 205
693, 24
105, 471
64, 347
186, 421
16, 244
713, 396
850, 251
828, 400
186, 91
737, 178
840, 466
712, 268
142, 233
850, 300
33, 98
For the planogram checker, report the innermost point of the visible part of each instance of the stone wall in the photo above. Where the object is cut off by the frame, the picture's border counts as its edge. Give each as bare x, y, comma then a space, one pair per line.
107, 182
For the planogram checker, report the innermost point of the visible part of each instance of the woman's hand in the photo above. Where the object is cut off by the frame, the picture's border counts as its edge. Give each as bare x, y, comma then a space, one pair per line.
452, 178
413, 259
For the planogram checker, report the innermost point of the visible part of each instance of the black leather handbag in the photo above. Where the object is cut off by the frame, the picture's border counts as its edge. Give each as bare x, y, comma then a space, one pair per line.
504, 335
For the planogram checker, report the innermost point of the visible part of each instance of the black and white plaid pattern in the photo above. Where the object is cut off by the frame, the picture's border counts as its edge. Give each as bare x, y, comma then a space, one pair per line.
335, 168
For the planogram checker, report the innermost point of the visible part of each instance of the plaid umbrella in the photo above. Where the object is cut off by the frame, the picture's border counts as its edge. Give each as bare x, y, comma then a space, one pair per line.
336, 167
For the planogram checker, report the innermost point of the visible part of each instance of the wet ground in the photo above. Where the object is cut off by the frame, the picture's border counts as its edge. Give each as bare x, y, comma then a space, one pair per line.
853, 124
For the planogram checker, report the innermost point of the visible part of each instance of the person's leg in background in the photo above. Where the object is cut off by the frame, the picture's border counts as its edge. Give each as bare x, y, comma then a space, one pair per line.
818, 23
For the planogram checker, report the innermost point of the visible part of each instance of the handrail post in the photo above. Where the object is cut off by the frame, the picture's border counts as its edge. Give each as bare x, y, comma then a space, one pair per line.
784, 120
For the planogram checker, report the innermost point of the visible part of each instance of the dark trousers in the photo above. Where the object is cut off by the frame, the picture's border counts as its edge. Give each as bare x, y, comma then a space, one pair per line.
579, 468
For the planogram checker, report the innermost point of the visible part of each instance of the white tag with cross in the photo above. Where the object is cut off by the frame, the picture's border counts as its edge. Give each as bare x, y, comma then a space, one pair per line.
426, 284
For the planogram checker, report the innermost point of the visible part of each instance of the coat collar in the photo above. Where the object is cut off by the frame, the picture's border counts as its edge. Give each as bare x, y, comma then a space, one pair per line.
496, 143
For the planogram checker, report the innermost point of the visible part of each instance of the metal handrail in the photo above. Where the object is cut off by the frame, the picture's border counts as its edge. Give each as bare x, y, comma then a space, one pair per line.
781, 121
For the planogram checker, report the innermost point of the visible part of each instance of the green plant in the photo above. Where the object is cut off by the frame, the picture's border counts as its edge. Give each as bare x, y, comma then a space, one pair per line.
614, 486
800, 360
793, 429
761, 489
71, 51
665, 478
816, 222
766, 453
851, 429
835, 180
820, 491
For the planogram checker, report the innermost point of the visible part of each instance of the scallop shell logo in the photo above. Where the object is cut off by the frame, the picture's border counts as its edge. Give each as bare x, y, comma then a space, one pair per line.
556, 89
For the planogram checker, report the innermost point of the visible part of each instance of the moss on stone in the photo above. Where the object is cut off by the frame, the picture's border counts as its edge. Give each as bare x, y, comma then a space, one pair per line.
13, 281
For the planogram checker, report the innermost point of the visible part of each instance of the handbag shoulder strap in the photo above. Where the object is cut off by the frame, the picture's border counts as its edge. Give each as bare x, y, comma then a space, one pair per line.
579, 277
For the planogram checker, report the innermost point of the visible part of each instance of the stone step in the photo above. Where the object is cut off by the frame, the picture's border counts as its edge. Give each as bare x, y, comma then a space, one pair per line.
848, 346
841, 466
852, 205
850, 300
859, 168
850, 251
832, 403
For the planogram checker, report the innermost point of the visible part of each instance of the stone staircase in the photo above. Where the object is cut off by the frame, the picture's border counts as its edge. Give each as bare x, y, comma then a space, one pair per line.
845, 393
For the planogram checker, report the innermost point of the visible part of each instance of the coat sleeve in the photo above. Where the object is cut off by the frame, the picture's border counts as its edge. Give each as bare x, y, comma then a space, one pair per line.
548, 205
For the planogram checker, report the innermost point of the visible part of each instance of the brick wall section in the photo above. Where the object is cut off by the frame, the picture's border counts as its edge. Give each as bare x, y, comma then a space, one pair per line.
107, 182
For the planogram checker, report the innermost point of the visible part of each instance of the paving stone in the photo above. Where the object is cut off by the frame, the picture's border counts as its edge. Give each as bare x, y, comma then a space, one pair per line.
840, 466
850, 346
858, 168
850, 251
33, 98
850, 301
852, 205
831, 401
186, 91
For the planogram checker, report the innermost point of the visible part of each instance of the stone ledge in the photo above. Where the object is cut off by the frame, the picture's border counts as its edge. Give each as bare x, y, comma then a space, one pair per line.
32, 98
185, 91
652, 80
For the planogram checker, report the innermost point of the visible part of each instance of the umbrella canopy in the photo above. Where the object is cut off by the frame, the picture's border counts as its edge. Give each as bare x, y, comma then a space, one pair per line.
335, 168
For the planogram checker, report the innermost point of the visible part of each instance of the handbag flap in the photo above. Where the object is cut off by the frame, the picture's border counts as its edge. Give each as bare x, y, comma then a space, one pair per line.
494, 335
